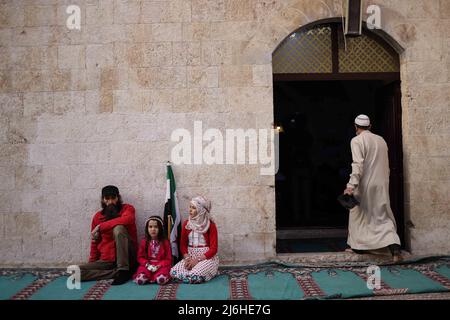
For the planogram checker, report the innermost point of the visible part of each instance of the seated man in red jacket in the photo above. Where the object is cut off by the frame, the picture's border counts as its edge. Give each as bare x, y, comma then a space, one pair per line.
113, 240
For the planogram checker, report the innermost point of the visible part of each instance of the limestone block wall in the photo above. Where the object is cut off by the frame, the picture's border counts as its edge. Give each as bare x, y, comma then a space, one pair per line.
80, 109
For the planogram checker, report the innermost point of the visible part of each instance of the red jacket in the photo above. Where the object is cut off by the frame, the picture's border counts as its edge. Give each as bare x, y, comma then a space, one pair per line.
163, 258
105, 248
210, 239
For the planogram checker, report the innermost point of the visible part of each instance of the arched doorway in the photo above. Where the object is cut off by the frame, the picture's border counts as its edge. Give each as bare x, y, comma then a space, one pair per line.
322, 81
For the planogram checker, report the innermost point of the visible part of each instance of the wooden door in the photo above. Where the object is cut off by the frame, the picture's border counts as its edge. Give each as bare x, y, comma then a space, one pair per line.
388, 124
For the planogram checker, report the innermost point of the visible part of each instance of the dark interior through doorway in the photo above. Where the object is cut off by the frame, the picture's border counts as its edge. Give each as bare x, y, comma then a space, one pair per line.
315, 158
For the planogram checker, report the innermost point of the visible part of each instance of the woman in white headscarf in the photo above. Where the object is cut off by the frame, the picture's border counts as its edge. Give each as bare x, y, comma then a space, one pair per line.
198, 245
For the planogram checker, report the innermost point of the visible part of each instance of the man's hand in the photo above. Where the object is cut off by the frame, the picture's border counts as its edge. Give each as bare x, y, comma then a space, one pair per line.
348, 191
95, 234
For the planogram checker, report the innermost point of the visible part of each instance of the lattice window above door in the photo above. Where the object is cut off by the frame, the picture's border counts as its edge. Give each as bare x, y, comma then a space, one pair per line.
308, 51
321, 49
365, 54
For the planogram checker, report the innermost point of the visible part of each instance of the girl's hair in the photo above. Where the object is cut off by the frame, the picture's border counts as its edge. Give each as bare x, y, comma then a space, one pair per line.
160, 235
160, 228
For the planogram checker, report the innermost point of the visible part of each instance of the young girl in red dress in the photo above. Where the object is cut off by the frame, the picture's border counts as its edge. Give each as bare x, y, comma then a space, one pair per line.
154, 255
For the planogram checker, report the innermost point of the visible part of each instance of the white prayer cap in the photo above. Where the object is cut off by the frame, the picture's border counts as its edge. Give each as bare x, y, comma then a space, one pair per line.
362, 120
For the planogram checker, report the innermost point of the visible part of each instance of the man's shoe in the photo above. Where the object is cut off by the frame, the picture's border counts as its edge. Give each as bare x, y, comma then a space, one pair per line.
122, 277
396, 253
397, 258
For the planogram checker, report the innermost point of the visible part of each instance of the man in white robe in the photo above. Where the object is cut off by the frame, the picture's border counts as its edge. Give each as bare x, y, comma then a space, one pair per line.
372, 223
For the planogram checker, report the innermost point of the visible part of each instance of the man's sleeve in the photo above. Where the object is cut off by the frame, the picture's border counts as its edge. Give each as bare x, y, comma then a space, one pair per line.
95, 253
126, 219
357, 164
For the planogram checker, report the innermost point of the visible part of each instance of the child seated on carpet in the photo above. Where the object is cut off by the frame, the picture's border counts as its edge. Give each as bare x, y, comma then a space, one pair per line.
154, 255
198, 245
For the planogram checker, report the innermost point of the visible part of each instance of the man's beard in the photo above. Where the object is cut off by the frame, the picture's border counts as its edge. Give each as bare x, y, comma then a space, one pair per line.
111, 211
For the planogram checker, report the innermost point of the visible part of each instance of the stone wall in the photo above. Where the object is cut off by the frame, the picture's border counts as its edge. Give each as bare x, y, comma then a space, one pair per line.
82, 109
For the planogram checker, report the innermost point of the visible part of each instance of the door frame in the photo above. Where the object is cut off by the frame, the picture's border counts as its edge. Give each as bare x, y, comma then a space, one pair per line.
391, 45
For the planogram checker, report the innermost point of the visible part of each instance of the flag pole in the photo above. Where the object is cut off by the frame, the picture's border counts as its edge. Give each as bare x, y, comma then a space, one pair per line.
169, 225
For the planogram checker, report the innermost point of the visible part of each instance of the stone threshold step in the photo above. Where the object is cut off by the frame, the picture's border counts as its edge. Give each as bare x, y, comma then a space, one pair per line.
327, 259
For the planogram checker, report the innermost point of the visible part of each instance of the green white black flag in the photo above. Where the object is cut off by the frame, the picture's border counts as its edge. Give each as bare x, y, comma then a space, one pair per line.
172, 218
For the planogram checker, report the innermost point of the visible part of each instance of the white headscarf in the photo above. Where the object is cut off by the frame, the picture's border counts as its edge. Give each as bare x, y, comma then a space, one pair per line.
200, 223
